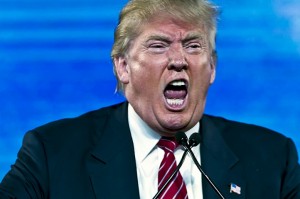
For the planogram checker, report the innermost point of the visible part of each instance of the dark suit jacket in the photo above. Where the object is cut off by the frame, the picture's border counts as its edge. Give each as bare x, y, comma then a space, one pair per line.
92, 156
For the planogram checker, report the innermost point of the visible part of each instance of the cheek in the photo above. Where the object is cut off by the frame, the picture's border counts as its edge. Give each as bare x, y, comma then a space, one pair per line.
141, 78
148, 68
202, 73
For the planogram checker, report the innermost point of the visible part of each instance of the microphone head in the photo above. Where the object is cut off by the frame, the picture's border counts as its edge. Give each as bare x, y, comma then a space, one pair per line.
181, 138
195, 139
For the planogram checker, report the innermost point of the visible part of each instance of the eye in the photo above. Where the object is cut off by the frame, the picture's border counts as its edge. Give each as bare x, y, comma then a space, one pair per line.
194, 47
157, 47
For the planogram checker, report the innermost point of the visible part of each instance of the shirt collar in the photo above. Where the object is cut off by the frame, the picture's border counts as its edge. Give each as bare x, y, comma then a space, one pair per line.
144, 138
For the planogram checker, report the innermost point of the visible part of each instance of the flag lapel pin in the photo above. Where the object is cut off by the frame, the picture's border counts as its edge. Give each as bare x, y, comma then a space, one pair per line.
235, 188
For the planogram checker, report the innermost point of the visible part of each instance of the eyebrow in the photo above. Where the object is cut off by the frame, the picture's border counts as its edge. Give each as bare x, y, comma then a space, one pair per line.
158, 38
188, 37
193, 36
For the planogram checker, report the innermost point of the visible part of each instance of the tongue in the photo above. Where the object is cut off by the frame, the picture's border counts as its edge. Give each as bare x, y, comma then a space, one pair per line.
173, 94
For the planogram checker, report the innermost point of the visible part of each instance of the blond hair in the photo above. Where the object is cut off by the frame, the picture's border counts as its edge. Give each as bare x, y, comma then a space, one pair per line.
137, 12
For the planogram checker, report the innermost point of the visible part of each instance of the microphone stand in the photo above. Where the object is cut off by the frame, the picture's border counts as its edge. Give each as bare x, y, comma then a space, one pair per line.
173, 174
181, 138
204, 174
194, 140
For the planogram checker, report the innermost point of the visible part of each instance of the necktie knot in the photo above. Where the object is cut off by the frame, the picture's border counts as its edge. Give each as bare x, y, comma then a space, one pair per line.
168, 144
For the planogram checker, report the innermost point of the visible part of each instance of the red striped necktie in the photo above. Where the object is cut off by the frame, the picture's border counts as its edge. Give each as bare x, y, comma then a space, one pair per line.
176, 188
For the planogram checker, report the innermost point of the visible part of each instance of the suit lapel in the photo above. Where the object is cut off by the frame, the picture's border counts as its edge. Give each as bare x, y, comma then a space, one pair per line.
111, 163
219, 162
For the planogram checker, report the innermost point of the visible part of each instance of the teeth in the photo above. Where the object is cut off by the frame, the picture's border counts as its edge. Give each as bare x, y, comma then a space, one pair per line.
178, 83
175, 101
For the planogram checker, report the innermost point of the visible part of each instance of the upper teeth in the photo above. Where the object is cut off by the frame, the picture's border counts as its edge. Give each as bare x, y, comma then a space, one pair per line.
178, 83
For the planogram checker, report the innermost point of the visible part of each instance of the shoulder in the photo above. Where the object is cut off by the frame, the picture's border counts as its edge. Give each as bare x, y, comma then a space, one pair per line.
83, 121
81, 129
249, 139
239, 129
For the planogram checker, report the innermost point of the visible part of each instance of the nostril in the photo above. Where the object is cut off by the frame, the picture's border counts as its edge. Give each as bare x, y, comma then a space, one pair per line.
177, 65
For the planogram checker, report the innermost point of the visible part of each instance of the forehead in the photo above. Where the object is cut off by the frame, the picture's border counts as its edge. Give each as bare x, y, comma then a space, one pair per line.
169, 26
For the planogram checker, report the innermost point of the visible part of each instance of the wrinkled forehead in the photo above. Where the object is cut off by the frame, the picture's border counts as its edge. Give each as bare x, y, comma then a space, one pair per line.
165, 25
184, 21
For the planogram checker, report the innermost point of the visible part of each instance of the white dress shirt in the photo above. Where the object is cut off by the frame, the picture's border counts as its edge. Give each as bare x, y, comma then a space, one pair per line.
148, 158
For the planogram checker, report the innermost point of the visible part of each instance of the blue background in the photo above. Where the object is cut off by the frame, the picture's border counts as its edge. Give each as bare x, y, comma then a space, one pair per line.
55, 63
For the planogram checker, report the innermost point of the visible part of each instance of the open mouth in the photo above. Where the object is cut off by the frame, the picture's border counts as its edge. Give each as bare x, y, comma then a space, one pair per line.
175, 94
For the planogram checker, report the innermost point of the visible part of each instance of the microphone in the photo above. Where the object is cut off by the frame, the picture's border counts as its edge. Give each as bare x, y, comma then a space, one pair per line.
181, 139
194, 140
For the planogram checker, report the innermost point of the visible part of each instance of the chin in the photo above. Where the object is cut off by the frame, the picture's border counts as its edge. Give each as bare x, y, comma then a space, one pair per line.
175, 125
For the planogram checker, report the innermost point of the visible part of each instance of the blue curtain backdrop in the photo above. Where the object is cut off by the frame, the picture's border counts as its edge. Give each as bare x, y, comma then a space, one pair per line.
55, 63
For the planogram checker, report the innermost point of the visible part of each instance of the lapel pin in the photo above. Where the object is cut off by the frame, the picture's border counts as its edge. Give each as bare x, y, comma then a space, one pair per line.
235, 188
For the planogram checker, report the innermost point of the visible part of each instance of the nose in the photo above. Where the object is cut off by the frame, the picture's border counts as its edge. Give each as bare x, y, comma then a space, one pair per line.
177, 65
177, 61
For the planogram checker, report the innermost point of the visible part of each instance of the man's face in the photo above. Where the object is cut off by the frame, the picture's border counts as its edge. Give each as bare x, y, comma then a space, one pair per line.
166, 73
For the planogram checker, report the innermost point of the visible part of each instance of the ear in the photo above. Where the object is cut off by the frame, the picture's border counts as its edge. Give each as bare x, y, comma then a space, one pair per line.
213, 69
122, 69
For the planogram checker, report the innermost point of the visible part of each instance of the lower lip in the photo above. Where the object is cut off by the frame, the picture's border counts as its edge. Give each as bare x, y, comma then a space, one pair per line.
176, 107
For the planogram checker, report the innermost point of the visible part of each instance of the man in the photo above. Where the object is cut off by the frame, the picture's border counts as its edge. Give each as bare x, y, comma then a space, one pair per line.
164, 60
